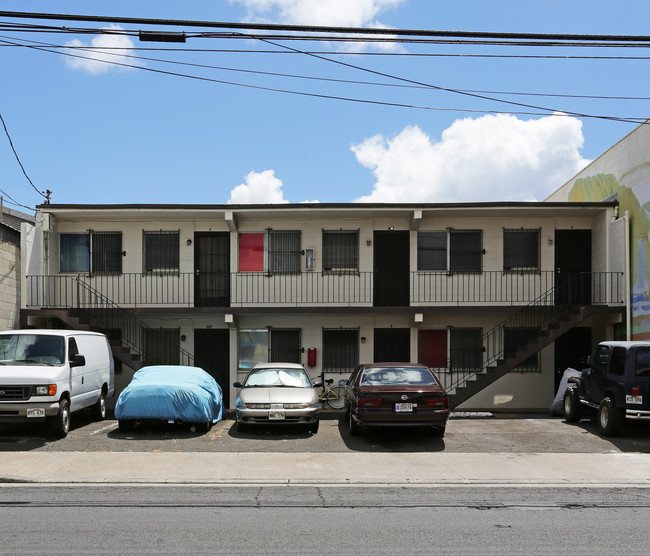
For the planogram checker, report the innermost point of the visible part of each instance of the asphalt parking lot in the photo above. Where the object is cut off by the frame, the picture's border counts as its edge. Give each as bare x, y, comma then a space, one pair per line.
465, 434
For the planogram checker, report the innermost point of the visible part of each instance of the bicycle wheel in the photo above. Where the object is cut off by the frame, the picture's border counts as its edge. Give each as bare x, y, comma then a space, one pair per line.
336, 397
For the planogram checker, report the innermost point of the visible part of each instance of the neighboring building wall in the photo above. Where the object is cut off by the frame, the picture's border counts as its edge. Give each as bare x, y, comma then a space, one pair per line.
624, 171
9, 285
11, 222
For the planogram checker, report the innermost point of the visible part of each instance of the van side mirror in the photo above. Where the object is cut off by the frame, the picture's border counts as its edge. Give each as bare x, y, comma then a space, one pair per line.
78, 361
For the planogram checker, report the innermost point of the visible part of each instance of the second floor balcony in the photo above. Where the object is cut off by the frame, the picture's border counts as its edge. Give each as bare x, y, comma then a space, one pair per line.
313, 289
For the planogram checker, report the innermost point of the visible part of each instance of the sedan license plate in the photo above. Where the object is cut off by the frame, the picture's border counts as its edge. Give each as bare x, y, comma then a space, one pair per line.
404, 408
276, 415
36, 412
634, 399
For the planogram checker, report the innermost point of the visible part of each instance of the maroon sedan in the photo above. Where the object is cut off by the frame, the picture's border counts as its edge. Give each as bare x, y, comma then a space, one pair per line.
395, 395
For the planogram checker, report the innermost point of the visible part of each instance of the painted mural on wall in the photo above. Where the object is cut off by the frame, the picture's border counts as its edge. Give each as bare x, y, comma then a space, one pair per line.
602, 186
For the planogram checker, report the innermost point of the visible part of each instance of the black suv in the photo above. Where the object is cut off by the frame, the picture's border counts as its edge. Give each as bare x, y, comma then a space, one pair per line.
615, 385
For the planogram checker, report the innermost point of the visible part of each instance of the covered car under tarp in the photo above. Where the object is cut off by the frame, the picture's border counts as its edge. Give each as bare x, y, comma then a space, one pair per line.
557, 407
171, 392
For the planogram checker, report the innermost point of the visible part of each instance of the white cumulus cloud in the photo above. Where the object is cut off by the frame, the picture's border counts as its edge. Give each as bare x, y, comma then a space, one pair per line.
103, 52
259, 187
341, 13
491, 158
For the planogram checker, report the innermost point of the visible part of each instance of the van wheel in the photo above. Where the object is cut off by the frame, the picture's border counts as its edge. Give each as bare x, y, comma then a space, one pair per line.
204, 427
126, 425
98, 411
60, 425
610, 418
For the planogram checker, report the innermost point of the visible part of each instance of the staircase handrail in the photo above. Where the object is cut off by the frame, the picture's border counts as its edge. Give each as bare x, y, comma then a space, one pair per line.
543, 305
107, 304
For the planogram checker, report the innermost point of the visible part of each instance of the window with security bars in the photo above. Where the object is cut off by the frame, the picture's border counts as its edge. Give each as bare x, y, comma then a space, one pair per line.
465, 250
284, 251
521, 249
340, 349
340, 251
161, 346
94, 252
466, 348
285, 345
161, 251
432, 250
514, 337
106, 252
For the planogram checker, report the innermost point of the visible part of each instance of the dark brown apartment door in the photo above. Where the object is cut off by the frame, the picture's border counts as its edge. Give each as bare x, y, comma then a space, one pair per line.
391, 269
572, 267
211, 269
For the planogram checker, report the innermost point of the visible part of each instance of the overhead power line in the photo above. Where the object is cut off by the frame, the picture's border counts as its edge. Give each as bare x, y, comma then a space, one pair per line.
369, 31
540, 111
105, 49
11, 143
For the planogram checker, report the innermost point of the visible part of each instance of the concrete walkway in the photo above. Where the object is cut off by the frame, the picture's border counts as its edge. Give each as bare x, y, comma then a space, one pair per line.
239, 468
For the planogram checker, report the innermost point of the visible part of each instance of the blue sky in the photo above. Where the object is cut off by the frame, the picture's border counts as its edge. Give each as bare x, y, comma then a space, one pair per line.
93, 132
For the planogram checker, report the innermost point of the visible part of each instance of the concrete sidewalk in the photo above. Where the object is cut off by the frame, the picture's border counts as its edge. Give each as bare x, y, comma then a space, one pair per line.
244, 468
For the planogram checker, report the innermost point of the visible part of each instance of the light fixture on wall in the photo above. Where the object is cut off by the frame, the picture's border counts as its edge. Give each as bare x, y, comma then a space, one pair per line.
368, 242
363, 339
390, 228
550, 241
183, 337
189, 242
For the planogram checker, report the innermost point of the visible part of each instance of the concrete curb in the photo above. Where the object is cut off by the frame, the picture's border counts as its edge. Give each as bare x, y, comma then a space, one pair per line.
341, 469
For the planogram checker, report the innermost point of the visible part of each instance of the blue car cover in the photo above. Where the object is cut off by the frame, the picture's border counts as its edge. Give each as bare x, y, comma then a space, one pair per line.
171, 392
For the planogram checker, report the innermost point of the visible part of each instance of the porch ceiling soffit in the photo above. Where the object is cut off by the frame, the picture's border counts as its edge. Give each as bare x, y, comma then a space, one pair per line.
235, 215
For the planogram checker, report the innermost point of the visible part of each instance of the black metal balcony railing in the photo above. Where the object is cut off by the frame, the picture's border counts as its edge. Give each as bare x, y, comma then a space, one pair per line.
311, 289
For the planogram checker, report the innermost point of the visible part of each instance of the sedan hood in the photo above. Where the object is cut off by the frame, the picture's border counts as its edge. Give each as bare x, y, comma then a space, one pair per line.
277, 395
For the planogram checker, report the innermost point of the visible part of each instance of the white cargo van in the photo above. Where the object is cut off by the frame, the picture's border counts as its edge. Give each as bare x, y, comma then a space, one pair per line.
45, 375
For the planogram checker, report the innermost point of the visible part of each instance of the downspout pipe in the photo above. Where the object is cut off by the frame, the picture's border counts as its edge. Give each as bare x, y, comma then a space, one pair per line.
628, 273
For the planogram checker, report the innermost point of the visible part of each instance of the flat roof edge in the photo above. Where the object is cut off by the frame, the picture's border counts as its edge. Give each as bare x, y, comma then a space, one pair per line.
358, 206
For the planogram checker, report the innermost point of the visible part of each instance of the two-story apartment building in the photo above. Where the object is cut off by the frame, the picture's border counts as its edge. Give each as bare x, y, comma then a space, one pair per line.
496, 296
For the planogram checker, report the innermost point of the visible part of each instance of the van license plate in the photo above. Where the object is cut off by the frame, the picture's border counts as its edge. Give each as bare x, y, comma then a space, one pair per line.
634, 399
276, 415
36, 412
404, 407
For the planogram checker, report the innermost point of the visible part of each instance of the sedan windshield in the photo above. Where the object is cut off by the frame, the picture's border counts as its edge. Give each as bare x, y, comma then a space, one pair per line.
378, 376
30, 349
296, 378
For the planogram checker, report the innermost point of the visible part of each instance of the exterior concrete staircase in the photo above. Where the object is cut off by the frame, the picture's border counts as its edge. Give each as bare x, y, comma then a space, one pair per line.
77, 321
563, 319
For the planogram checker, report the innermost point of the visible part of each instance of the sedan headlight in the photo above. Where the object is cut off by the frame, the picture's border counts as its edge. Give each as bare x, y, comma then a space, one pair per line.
295, 405
258, 405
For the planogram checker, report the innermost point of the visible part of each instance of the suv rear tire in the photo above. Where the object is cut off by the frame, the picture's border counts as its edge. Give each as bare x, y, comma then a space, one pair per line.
610, 418
571, 406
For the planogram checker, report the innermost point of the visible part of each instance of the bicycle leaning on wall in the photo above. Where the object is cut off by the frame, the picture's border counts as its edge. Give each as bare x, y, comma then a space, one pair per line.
334, 396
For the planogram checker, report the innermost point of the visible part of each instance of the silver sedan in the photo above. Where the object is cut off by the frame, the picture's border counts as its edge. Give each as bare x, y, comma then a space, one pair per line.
277, 394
